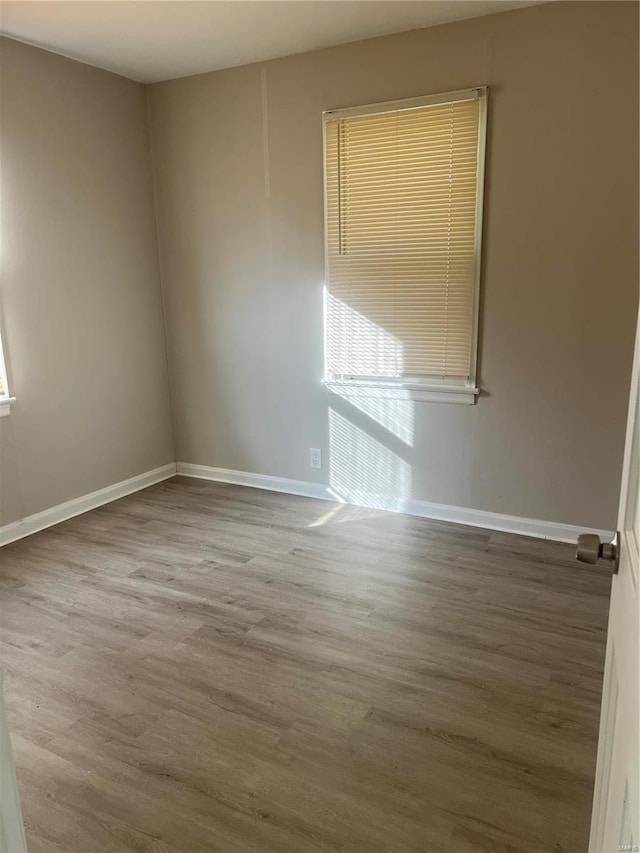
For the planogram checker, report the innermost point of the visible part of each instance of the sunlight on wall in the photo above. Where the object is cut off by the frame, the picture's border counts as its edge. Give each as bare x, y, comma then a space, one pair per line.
362, 470
369, 436
395, 415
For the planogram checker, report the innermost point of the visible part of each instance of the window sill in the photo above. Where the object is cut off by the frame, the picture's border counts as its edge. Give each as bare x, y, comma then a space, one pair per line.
461, 394
5, 405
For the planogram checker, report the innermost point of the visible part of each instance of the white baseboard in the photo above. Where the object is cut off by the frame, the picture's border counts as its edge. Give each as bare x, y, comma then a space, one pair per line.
425, 509
61, 512
257, 481
537, 528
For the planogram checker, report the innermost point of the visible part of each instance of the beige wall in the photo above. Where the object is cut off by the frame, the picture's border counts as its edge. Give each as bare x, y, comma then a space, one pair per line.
80, 289
238, 161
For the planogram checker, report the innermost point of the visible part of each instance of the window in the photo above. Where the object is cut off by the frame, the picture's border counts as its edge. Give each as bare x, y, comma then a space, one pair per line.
403, 214
5, 399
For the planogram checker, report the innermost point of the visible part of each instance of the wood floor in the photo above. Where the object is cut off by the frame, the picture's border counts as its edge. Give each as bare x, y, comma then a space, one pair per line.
202, 667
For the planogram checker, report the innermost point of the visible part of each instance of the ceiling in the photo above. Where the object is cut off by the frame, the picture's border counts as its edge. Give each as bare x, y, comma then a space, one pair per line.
152, 40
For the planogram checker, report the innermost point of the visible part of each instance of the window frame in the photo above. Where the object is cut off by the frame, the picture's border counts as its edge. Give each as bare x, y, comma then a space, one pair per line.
430, 389
5, 397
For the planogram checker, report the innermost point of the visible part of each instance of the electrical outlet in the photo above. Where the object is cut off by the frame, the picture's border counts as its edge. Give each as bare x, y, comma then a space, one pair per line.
315, 457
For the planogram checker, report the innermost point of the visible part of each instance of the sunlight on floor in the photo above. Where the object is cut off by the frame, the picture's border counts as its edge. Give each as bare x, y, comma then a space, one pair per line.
343, 512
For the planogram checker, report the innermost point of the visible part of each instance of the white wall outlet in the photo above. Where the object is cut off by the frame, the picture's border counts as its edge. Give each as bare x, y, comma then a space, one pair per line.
315, 457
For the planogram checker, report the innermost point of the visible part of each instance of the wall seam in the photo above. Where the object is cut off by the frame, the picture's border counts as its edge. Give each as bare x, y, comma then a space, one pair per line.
161, 278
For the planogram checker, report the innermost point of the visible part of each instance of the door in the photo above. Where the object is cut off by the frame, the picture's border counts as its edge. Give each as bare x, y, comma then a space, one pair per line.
11, 830
615, 823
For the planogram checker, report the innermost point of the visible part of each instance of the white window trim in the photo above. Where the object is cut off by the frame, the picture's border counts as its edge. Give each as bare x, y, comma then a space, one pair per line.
427, 390
5, 405
420, 392
5, 399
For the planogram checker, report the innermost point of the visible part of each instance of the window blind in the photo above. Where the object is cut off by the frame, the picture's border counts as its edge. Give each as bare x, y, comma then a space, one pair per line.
401, 189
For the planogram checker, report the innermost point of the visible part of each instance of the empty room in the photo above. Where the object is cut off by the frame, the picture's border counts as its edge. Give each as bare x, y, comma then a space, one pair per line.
319, 426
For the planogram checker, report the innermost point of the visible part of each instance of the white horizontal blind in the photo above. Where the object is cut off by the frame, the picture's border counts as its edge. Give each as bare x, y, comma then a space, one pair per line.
401, 193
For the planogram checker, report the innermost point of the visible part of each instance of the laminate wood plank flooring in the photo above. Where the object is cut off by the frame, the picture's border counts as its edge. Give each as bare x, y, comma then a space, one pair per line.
203, 667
